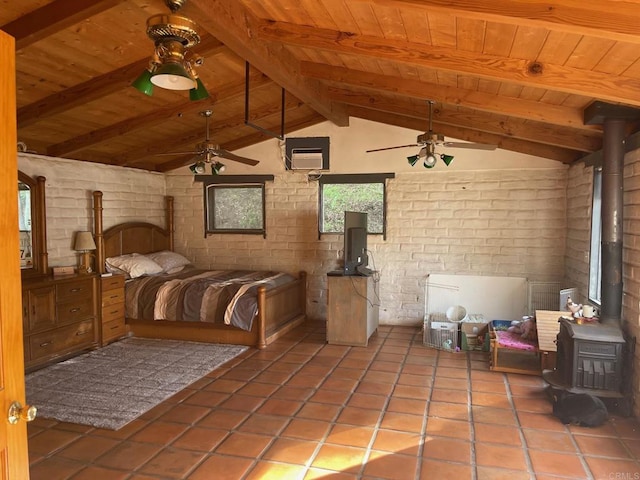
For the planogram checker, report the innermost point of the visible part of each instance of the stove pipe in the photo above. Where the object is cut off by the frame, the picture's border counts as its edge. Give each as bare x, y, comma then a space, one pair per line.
612, 208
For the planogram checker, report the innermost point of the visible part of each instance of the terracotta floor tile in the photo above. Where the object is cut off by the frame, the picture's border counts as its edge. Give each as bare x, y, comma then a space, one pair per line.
319, 411
447, 449
277, 378
206, 398
499, 416
445, 427
340, 458
606, 468
545, 440
243, 445
400, 442
437, 470
289, 450
455, 411
448, 383
288, 392
221, 418
275, 471
279, 406
242, 403
363, 400
255, 389
602, 447
502, 456
374, 388
173, 463
536, 405
159, 433
221, 466
407, 405
54, 469
411, 391
359, 416
306, 429
125, 432
454, 371
488, 387
99, 473
347, 373
224, 386
402, 422
495, 400
128, 455
49, 441
391, 466
322, 474
493, 473
416, 380
626, 427
334, 397
342, 384
450, 396
264, 424
87, 449
200, 439
540, 421
350, 435
506, 435
546, 462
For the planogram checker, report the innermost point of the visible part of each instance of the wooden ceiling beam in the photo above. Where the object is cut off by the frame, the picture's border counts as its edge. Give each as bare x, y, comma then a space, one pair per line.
156, 117
562, 78
618, 21
486, 102
52, 18
551, 152
97, 87
246, 141
467, 118
189, 141
233, 24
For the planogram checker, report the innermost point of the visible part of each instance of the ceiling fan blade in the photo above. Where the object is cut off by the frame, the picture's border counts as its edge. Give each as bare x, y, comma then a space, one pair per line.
476, 146
178, 153
393, 148
236, 158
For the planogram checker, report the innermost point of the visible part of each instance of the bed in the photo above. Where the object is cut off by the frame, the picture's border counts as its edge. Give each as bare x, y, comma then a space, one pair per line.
510, 353
279, 302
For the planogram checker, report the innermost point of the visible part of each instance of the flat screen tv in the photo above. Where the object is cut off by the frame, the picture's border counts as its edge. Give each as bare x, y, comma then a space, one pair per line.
355, 243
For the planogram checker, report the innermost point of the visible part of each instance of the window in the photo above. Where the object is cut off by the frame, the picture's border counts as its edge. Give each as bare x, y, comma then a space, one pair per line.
358, 193
234, 203
595, 263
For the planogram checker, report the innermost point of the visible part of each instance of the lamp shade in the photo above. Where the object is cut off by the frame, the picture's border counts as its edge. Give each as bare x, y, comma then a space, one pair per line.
143, 83
217, 168
198, 93
429, 161
84, 241
173, 76
197, 168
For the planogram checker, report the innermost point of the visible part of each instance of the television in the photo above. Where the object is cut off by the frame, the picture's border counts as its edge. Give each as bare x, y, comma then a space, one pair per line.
355, 243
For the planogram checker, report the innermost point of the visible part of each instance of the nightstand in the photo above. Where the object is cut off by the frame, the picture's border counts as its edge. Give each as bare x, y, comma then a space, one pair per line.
112, 308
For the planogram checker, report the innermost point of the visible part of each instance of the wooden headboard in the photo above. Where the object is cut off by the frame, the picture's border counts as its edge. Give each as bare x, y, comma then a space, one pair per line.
130, 237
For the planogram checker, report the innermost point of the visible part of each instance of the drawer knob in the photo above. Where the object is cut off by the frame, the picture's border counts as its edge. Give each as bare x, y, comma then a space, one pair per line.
45, 344
17, 412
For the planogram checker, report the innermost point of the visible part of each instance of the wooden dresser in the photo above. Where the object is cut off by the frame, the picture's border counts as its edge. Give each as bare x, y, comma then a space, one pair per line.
60, 317
112, 308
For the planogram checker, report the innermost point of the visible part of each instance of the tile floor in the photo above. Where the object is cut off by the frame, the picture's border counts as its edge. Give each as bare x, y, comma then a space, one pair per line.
302, 409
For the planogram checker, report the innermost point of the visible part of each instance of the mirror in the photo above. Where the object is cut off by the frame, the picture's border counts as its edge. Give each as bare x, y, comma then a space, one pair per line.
32, 222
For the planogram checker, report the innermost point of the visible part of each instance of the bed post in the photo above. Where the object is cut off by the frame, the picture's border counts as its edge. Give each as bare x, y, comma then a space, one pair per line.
97, 230
169, 219
261, 341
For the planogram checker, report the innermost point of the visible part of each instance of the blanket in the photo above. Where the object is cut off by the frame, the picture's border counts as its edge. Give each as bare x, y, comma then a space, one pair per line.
195, 295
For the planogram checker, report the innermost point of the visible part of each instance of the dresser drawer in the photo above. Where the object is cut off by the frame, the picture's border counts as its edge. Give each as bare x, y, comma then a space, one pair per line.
112, 297
74, 290
61, 340
113, 312
113, 329
74, 311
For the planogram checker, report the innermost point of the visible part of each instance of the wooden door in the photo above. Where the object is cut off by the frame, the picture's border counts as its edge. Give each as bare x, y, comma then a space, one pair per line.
14, 462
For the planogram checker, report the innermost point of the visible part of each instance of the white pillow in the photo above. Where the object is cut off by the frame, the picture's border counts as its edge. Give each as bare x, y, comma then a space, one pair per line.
133, 265
171, 262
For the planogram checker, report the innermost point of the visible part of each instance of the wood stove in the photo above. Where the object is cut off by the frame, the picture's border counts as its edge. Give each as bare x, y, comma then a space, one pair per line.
591, 359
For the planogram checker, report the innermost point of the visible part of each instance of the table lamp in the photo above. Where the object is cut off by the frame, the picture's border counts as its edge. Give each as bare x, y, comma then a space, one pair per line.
84, 244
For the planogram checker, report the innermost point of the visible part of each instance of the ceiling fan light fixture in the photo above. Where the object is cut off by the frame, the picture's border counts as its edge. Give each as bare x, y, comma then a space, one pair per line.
198, 168
198, 93
429, 161
143, 83
413, 159
173, 76
447, 159
217, 168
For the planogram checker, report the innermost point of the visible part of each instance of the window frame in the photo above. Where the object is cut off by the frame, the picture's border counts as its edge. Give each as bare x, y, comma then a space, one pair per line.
362, 178
211, 182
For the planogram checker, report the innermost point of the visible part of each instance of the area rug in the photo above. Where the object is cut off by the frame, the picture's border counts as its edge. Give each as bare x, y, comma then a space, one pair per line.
111, 386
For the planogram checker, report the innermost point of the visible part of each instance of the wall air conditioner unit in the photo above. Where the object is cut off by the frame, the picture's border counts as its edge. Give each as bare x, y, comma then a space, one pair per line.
306, 159
307, 153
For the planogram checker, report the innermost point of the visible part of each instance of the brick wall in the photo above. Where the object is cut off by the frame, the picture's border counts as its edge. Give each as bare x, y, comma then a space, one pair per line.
498, 222
129, 195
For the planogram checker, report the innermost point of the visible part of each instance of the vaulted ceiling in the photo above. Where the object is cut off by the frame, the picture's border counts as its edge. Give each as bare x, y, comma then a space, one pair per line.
514, 73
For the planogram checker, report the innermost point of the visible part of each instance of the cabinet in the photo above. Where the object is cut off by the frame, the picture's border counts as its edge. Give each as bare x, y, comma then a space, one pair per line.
352, 313
112, 308
59, 318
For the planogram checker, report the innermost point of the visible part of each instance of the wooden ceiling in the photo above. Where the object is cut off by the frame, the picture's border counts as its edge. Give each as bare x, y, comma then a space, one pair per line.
515, 73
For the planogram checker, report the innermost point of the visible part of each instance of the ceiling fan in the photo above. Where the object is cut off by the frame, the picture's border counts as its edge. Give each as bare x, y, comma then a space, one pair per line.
428, 142
208, 152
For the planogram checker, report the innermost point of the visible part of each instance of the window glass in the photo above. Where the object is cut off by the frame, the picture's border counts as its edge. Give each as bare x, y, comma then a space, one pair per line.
595, 257
355, 197
235, 208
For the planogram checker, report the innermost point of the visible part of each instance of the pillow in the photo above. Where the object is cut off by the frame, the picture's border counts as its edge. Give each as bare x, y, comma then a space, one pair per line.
170, 262
133, 265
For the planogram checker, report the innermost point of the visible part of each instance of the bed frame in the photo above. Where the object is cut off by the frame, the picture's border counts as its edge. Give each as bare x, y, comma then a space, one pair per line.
279, 309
